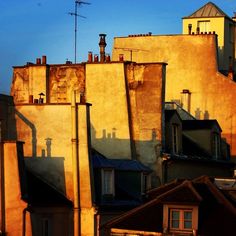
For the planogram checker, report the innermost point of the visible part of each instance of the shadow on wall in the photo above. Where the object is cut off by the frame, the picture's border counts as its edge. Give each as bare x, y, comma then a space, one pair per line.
201, 114
145, 151
33, 131
49, 168
7, 118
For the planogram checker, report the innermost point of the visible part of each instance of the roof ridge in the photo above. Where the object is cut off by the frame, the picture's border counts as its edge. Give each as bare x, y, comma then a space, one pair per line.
217, 193
210, 9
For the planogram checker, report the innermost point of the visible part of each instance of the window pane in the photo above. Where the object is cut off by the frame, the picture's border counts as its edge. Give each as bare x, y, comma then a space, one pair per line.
187, 215
188, 224
175, 138
107, 181
187, 219
175, 215
175, 224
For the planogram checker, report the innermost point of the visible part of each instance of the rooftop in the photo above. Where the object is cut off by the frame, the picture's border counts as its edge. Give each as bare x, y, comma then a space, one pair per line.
208, 10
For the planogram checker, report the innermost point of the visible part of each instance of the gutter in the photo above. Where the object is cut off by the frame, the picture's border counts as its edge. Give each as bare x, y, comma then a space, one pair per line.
2, 192
75, 163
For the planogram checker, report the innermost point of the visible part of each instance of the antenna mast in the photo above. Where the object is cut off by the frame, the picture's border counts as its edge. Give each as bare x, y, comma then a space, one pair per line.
75, 14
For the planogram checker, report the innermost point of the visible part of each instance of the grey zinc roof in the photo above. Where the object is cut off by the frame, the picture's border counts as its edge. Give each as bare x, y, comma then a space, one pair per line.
208, 10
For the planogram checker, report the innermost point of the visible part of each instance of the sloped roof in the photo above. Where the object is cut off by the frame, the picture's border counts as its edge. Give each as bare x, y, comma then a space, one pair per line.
170, 113
213, 204
100, 161
200, 124
41, 193
208, 10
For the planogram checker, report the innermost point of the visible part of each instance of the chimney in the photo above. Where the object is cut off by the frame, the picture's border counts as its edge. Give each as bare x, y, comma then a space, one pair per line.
96, 58
198, 30
189, 28
90, 57
231, 71
108, 58
121, 57
102, 45
38, 61
44, 60
186, 99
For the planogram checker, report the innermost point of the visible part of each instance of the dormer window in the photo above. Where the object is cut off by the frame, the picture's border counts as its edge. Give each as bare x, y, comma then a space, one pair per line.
216, 146
175, 139
145, 182
108, 182
180, 219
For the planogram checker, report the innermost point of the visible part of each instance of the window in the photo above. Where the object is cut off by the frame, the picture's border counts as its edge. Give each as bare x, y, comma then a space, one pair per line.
108, 182
175, 141
45, 227
180, 219
216, 145
145, 182
204, 26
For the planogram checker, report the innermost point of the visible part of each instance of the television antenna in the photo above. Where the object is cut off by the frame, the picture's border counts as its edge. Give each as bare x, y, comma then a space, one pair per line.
75, 14
132, 50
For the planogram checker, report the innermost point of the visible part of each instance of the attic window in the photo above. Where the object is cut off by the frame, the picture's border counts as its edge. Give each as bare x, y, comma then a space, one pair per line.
175, 138
204, 26
108, 182
180, 219
145, 182
216, 146
45, 226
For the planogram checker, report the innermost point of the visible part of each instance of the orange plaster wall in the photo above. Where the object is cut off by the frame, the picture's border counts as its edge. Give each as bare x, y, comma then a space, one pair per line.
146, 84
14, 205
192, 64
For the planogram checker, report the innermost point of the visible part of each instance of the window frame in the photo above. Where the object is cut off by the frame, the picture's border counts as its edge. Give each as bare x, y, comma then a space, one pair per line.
145, 182
181, 219
46, 226
216, 145
105, 184
207, 26
175, 138
167, 208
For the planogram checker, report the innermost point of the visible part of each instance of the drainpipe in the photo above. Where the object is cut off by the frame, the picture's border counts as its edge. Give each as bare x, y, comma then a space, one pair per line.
75, 156
2, 194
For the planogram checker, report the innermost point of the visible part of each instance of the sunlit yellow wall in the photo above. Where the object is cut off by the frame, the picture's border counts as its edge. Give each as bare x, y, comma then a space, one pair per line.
146, 84
221, 26
106, 91
192, 64
56, 82
37, 81
217, 24
36, 124
47, 133
14, 205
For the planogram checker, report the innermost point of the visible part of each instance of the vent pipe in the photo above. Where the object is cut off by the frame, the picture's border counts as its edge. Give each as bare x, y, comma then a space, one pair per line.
189, 28
90, 57
44, 60
38, 61
102, 45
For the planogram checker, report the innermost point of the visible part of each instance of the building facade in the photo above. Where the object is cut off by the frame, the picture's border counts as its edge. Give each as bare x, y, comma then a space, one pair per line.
198, 88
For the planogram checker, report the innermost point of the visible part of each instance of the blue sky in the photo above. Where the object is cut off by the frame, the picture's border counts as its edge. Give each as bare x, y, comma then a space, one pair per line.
32, 28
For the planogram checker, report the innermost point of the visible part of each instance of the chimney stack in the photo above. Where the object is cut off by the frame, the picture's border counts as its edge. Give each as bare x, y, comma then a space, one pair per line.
102, 45
44, 60
38, 61
189, 28
90, 56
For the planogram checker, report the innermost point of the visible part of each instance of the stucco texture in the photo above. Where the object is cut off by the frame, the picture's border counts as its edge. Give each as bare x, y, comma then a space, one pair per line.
192, 65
